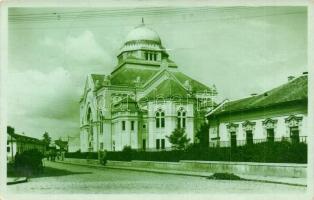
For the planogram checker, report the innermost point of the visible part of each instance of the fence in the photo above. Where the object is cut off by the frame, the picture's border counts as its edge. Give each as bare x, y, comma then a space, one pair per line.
302, 139
276, 152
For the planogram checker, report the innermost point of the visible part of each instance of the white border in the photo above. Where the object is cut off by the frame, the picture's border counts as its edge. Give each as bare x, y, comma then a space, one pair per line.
4, 5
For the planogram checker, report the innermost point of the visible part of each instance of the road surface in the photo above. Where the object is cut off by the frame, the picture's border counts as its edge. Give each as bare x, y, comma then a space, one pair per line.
67, 178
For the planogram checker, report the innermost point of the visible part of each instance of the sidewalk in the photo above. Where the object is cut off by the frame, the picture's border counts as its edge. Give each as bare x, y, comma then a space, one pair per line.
265, 179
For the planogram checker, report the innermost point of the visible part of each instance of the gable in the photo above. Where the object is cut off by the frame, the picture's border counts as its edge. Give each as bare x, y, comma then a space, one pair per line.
89, 84
167, 89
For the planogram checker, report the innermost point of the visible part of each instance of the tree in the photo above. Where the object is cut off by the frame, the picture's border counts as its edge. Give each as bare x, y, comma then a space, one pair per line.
46, 138
203, 135
178, 139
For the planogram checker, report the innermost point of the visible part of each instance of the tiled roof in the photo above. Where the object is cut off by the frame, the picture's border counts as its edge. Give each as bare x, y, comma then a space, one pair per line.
294, 90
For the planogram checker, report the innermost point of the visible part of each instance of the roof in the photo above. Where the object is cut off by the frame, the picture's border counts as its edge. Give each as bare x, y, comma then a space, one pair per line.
196, 85
129, 76
167, 89
142, 32
294, 90
24, 138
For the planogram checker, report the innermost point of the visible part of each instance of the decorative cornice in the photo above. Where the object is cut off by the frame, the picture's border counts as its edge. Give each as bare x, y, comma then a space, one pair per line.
248, 123
293, 117
269, 120
232, 125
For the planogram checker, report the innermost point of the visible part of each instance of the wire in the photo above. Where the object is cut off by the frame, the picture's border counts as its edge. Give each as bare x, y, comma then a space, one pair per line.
150, 12
112, 11
173, 22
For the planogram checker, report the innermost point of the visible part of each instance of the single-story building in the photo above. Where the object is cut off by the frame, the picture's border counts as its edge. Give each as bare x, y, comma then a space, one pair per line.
275, 115
18, 143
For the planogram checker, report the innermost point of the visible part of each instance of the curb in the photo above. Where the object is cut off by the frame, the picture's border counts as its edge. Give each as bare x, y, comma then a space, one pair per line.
18, 180
178, 173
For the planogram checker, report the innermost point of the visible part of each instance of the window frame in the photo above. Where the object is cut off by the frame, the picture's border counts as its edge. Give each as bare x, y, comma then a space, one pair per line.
251, 140
181, 118
132, 125
101, 124
160, 119
272, 138
123, 126
163, 144
158, 144
294, 132
233, 139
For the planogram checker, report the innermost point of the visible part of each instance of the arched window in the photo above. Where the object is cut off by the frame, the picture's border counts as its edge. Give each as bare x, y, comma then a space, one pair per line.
89, 113
90, 133
160, 119
181, 118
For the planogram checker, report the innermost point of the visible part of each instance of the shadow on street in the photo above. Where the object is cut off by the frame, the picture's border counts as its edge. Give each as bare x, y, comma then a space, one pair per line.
47, 172
50, 172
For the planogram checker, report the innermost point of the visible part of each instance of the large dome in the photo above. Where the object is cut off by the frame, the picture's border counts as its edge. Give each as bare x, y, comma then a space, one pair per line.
143, 33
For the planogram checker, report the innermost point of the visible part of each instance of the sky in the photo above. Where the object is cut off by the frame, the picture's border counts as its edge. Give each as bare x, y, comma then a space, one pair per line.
242, 50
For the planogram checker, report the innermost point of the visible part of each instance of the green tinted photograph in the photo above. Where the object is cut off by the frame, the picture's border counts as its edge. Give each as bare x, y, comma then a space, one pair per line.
157, 100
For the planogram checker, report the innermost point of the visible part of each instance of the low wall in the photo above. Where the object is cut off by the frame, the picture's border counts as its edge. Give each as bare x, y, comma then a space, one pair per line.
82, 161
249, 168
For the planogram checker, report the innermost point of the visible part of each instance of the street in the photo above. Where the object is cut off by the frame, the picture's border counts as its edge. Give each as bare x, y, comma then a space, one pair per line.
67, 178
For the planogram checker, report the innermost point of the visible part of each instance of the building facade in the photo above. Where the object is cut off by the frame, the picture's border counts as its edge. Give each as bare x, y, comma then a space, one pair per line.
17, 143
276, 115
142, 101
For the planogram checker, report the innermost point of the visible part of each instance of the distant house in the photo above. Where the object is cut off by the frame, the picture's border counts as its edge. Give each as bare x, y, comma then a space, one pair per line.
275, 115
17, 143
61, 145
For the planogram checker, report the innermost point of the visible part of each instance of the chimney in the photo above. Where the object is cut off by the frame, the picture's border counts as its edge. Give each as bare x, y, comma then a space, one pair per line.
254, 94
290, 78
